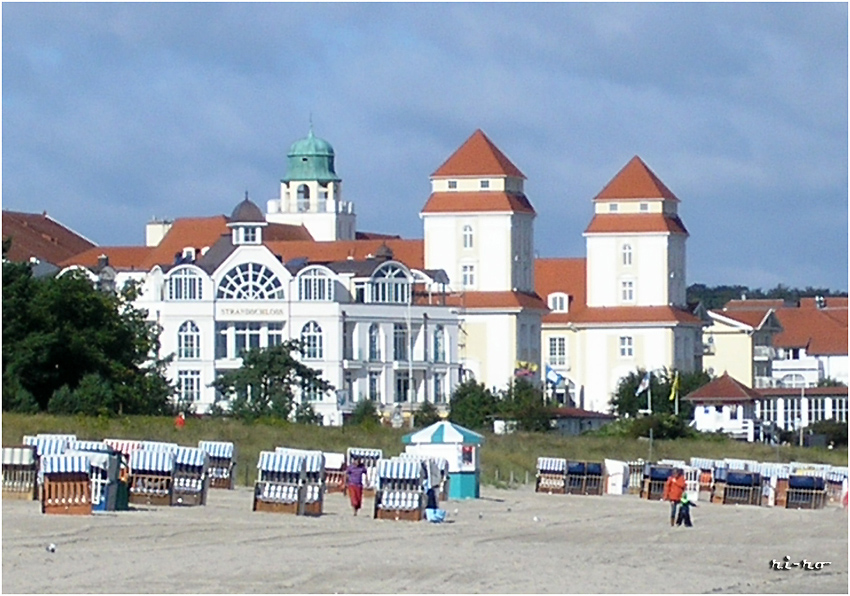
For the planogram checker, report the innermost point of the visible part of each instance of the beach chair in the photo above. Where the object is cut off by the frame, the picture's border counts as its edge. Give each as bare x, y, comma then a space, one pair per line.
66, 482
594, 478
222, 461
636, 473
334, 472
654, 479
125, 448
437, 472
151, 477
551, 475
47, 444
105, 465
400, 492
806, 492
370, 459
741, 488
190, 482
20, 472
836, 482
279, 485
313, 480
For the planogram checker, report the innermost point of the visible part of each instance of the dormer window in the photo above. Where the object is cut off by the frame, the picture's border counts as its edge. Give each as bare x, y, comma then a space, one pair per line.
559, 302
452, 184
485, 184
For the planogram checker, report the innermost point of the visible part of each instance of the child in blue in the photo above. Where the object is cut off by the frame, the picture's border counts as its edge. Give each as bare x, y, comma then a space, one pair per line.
685, 511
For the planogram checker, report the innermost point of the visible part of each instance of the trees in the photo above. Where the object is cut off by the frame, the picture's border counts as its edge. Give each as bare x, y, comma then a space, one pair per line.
59, 331
365, 414
426, 415
264, 384
624, 402
525, 403
471, 405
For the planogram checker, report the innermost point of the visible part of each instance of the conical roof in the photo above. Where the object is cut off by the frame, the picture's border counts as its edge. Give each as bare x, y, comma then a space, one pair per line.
635, 181
478, 156
725, 388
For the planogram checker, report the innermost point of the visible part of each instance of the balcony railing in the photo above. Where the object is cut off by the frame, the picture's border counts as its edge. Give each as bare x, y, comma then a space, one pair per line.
764, 353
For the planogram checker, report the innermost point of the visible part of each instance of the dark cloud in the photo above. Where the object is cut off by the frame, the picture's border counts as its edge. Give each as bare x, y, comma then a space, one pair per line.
114, 112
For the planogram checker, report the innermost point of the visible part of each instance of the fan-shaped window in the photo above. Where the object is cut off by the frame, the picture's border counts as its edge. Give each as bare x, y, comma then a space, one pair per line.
250, 281
188, 341
315, 285
390, 284
185, 284
311, 341
374, 342
303, 198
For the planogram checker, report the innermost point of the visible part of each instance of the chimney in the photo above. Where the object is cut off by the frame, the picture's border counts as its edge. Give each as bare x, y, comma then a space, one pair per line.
102, 261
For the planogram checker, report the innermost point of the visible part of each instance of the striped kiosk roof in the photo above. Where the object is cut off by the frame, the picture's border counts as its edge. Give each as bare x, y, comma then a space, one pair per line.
65, 464
19, 456
190, 456
151, 461
551, 464
271, 461
444, 432
218, 449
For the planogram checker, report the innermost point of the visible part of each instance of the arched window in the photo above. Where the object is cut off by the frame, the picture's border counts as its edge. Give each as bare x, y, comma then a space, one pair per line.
250, 281
311, 341
188, 341
390, 284
467, 236
439, 344
303, 198
374, 342
627, 254
185, 284
315, 285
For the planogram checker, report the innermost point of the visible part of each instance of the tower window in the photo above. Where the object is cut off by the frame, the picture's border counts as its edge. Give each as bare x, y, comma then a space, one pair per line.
627, 254
626, 347
485, 184
644, 206
452, 184
627, 291
467, 236
303, 198
613, 207
467, 275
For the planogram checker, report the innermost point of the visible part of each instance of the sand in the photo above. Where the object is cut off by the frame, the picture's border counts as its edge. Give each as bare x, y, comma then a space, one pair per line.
579, 544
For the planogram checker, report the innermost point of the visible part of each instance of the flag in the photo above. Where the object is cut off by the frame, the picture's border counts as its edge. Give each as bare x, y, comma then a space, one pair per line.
644, 384
674, 389
553, 376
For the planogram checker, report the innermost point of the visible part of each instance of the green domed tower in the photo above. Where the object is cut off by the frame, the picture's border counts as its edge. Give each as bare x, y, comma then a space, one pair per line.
311, 192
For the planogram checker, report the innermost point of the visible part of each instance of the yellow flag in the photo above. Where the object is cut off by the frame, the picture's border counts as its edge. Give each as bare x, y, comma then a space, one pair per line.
674, 389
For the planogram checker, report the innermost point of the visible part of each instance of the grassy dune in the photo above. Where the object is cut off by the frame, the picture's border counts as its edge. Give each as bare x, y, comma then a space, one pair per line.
503, 456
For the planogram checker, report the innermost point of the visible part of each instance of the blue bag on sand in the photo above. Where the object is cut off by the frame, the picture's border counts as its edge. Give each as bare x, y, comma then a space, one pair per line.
435, 515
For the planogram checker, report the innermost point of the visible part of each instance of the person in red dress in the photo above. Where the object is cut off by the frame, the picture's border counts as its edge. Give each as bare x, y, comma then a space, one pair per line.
354, 476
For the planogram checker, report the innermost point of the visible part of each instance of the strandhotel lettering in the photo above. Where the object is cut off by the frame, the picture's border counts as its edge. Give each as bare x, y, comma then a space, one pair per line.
251, 311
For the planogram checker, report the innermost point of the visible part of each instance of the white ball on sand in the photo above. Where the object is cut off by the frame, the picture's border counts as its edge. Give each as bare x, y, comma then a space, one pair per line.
456, 510
536, 518
51, 548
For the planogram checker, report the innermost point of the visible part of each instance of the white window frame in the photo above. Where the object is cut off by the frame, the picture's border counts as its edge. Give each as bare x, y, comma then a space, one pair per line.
315, 285
468, 237
189, 385
375, 386
185, 284
627, 254
400, 342
559, 302
439, 344
557, 350
627, 346
485, 184
467, 273
627, 290
188, 341
374, 342
250, 281
390, 284
274, 334
311, 341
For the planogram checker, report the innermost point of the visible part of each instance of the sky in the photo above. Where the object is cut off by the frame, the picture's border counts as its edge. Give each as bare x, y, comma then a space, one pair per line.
113, 113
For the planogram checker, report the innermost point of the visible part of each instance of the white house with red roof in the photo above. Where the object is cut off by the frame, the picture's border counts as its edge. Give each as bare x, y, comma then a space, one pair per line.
479, 228
623, 307
726, 405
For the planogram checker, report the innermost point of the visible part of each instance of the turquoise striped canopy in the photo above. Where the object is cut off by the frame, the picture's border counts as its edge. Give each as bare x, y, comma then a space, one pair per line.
444, 432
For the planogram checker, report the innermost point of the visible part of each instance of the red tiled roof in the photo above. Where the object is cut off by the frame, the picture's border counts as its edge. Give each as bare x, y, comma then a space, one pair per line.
409, 252
568, 276
615, 223
634, 315
195, 232
723, 389
279, 231
491, 300
830, 302
450, 202
808, 391
753, 318
753, 304
375, 236
40, 236
478, 156
635, 181
120, 257
821, 333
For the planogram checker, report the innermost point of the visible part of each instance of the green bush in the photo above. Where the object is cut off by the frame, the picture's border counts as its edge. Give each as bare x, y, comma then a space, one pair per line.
365, 414
426, 415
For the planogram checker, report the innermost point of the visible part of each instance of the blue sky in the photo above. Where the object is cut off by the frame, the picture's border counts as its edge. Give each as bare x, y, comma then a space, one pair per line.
114, 113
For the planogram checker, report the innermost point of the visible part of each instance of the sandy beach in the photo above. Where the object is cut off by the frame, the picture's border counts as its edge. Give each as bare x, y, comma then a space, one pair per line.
579, 544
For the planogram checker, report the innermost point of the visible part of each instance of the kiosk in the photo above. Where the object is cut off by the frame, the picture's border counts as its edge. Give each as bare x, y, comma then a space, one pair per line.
460, 447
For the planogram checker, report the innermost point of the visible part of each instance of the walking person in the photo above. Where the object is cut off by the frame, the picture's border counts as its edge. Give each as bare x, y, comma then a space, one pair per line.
354, 476
685, 511
674, 488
